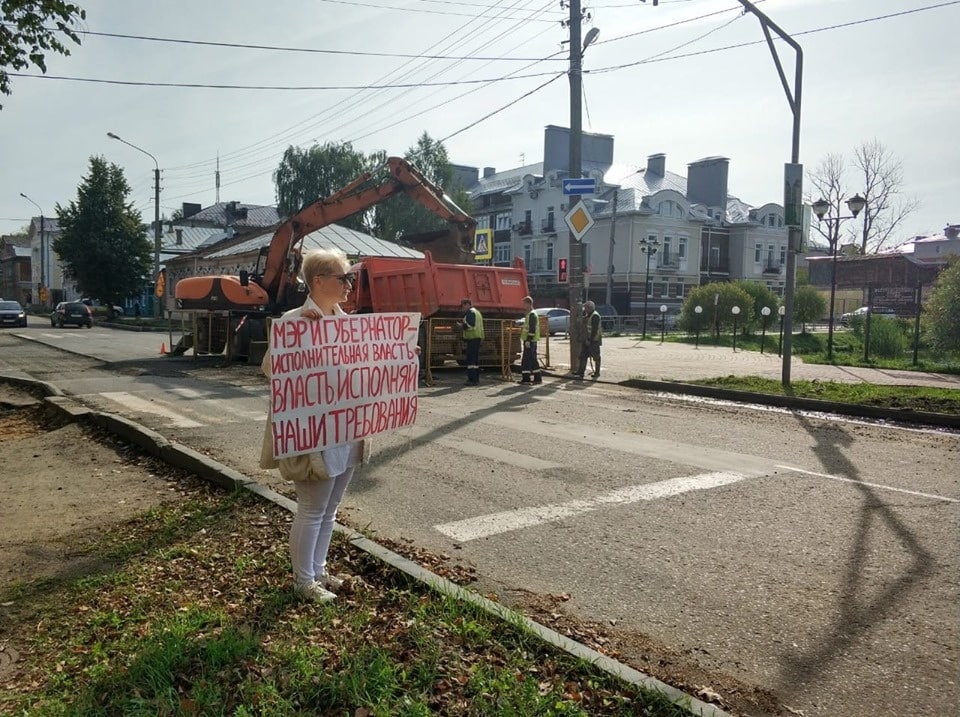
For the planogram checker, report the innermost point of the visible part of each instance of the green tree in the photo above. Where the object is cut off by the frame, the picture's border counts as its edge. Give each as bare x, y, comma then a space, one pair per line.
808, 306
26, 37
103, 244
762, 296
304, 176
401, 215
941, 314
717, 300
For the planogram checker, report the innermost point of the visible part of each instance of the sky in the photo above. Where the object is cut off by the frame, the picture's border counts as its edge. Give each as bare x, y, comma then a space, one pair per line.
378, 73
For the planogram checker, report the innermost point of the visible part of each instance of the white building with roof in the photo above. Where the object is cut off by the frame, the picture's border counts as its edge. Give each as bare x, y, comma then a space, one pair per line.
701, 232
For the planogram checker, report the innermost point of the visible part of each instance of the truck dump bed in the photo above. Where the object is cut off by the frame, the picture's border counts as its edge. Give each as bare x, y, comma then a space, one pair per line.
395, 284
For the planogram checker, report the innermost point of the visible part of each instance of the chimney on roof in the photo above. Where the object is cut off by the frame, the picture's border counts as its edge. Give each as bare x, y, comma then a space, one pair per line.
707, 181
179, 236
488, 172
951, 231
190, 208
657, 164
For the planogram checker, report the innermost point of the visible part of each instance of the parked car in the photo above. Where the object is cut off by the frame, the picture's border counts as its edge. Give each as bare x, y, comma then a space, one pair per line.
12, 314
72, 312
558, 319
863, 311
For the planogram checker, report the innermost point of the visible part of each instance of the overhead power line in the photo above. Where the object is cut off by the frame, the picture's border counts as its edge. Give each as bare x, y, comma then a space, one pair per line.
412, 9
279, 88
313, 50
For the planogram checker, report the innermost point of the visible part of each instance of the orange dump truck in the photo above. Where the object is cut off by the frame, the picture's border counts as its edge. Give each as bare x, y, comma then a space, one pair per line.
436, 290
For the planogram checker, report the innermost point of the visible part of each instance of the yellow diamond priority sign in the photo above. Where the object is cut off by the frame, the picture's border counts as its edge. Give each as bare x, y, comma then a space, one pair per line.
579, 220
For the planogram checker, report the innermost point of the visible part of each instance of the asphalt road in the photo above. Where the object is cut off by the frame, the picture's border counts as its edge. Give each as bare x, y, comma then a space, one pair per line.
815, 558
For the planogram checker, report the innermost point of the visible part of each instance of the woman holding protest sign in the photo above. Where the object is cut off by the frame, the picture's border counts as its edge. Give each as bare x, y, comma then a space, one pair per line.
321, 477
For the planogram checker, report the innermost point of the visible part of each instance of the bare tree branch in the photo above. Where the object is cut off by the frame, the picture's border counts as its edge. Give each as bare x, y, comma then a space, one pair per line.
886, 209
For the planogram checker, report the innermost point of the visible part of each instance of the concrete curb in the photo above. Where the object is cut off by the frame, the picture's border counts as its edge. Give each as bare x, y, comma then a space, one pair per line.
940, 420
181, 456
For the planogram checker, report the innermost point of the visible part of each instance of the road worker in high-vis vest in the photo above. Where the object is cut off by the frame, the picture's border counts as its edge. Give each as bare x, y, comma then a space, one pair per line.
472, 326
529, 336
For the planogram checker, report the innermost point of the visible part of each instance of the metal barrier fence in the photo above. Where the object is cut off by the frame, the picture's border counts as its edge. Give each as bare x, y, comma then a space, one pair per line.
441, 343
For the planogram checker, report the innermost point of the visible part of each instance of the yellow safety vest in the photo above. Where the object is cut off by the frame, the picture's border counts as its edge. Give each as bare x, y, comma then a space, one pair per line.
475, 331
525, 334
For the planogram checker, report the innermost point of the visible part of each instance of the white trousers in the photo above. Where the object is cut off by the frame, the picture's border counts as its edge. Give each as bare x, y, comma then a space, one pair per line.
312, 529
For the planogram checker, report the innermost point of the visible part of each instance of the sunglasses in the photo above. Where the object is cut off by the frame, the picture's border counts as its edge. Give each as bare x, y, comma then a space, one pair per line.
345, 279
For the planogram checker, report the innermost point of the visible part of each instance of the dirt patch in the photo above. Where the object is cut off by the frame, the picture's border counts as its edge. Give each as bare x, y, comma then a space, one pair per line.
60, 483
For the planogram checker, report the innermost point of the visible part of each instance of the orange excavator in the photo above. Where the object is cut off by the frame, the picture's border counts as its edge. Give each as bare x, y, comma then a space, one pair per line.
278, 288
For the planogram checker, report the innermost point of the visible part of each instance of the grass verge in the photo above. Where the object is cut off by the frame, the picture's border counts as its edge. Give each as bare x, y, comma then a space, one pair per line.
912, 398
190, 612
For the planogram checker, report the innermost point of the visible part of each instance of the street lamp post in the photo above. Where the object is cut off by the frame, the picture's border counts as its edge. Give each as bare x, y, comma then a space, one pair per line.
736, 312
765, 312
578, 44
156, 212
649, 247
782, 311
663, 321
795, 236
43, 274
697, 310
821, 208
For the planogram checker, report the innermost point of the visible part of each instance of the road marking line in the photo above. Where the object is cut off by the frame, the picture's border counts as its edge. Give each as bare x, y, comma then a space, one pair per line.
481, 450
495, 523
871, 485
135, 403
222, 405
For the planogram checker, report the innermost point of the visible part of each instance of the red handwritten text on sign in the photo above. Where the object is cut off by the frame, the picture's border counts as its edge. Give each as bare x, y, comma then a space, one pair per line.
341, 378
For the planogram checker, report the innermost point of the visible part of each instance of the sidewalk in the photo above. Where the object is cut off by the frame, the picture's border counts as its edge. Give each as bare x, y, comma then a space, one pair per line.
626, 357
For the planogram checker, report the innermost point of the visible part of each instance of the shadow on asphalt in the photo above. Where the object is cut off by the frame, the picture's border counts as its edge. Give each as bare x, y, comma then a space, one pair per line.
856, 611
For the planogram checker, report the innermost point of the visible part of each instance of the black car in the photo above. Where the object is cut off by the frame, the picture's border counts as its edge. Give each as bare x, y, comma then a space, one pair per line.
72, 312
12, 314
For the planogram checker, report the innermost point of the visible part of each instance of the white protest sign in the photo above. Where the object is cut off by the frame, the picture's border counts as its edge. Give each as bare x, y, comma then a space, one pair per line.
339, 379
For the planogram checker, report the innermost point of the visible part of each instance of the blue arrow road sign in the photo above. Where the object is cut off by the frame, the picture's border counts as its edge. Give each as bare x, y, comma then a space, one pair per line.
583, 185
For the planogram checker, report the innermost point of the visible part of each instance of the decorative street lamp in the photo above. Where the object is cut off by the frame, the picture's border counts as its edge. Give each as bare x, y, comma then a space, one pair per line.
765, 311
736, 312
649, 247
782, 311
821, 208
42, 288
663, 320
156, 212
697, 310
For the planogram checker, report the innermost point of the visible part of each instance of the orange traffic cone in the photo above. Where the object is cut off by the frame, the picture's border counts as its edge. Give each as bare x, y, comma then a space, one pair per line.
163, 348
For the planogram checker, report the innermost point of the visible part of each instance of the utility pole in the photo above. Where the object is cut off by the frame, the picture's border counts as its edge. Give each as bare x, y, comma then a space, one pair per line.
613, 241
575, 287
42, 286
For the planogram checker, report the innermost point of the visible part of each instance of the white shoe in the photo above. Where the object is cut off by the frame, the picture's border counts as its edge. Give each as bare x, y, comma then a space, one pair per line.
314, 592
332, 582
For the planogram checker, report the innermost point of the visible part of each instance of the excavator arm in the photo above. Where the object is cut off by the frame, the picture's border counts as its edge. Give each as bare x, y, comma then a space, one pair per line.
396, 176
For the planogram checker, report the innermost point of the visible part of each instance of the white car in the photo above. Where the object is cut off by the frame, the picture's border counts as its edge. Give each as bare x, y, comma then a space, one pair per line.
558, 319
863, 311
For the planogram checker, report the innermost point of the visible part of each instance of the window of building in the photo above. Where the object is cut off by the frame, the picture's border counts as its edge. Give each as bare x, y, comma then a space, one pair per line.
483, 222
664, 289
770, 254
666, 252
504, 221
502, 253
527, 255
783, 255
682, 249
757, 253
550, 256
550, 216
527, 216
678, 290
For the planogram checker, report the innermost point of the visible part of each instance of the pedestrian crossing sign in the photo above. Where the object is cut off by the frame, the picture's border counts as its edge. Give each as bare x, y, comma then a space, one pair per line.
483, 244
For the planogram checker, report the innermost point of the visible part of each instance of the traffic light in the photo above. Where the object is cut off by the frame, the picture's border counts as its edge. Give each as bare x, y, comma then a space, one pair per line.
562, 271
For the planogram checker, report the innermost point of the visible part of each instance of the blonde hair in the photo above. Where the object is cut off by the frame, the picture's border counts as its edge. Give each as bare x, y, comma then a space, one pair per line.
323, 262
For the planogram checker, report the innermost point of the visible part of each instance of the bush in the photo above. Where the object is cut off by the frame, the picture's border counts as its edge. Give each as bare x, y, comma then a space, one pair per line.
887, 339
